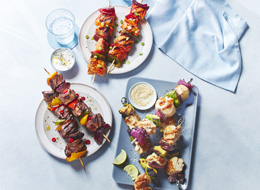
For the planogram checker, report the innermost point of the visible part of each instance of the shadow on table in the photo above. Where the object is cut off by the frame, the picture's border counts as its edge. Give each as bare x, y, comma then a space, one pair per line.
191, 177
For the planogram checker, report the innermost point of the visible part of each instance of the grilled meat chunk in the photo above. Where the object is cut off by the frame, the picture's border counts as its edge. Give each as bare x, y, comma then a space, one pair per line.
156, 161
148, 125
101, 46
131, 120
62, 87
79, 109
62, 112
105, 20
76, 146
49, 95
170, 136
139, 11
104, 32
142, 182
125, 41
130, 27
70, 130
67, 96
174, 166
95, 122
118, 51
96, 66
56, 81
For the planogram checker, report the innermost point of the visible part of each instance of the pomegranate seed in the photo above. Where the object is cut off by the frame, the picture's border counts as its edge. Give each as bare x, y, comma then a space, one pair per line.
61, 111
83, 98
77, 94
65, 91
87, 141
71, 140
53, 139
89, 118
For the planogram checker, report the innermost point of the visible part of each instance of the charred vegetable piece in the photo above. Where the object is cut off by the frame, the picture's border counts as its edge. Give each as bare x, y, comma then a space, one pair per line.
173, 94
127, 110
98, 137
159, 151
105, 32
79, 109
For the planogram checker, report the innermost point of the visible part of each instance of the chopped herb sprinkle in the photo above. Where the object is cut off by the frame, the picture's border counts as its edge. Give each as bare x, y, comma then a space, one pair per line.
116, 24
128, 62
92, 38
136, 14
87, 36
127, 38
95, 57
121, 21
142, 43
141, 54
110, 47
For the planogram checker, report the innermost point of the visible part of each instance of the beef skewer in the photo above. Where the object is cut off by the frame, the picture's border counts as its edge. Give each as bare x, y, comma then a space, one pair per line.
68, 130
78, 107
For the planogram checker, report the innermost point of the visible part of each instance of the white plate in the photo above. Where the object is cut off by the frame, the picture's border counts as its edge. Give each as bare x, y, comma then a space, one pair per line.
44, 117
146, 36
150, 104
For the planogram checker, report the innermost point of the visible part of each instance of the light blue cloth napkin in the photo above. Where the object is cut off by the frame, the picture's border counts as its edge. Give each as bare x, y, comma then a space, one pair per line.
202, 36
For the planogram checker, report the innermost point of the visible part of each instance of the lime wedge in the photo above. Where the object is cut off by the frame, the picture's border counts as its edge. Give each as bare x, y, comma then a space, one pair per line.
121, 158
132, 171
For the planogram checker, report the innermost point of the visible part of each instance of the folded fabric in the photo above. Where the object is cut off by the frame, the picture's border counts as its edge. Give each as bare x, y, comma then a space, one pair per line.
202, 36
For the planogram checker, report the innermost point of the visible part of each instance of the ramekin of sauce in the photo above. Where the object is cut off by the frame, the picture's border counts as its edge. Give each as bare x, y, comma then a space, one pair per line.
142, 95
62, 59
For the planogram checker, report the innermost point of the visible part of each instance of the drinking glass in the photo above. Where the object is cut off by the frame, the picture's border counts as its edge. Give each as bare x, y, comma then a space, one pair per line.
61, 23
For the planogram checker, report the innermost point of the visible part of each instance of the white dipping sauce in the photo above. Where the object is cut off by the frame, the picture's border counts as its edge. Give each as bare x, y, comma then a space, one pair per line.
63, 59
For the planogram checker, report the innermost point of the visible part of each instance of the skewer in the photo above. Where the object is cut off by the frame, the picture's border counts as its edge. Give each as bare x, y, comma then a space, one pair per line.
106, 137
112, 65
82, 164
79, 158
47, 71
93, 78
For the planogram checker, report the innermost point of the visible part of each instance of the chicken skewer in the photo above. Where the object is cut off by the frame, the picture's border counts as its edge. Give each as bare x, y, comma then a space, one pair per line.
103, 33
123, 43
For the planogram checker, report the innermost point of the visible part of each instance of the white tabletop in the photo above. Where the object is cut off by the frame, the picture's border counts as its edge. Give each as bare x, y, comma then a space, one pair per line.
226, 148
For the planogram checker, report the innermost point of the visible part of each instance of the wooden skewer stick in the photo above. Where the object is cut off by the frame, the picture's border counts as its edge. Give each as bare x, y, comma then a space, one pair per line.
47, 72
93, 78
111, 66
109, 3
106, 137
82, 164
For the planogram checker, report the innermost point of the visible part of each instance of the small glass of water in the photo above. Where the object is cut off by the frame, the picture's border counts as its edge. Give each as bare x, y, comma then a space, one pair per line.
60, 23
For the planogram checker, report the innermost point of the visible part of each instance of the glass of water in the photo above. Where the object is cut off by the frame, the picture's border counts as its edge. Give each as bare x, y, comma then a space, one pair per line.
61, 23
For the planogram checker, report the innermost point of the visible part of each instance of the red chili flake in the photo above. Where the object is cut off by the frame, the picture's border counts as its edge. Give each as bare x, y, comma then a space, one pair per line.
83, 98
61, 111
71, 140
77, 94
87, 141
65, 91
53, 139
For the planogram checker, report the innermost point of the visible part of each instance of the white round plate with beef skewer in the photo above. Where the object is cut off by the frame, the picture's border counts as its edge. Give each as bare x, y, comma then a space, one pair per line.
46, 128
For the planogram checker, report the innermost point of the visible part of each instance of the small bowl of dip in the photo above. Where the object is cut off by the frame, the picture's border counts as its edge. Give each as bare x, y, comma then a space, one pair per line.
62, 59
142, 95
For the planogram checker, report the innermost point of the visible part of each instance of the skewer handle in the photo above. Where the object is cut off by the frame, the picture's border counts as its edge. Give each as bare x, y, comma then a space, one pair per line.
106, 137
82, 164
